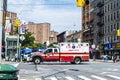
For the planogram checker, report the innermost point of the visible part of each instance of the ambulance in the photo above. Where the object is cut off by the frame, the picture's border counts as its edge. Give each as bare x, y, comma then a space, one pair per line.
74, 53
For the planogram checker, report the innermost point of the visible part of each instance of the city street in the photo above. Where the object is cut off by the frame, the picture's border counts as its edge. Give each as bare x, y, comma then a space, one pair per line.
92, 70
64, 33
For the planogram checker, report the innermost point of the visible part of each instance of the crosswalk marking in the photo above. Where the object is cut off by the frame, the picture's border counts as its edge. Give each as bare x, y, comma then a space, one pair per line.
81, 77
84, 78
116, 77
69, 78
97, 77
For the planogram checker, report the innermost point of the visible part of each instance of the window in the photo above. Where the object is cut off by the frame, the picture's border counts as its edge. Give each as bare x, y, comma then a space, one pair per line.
117, 14
111, 27
104, 30
108, 18
55, 50
117, 4
105, 19
49, 50
108, 29
114, 16
111, 6
117, 25
114, 4
108, 7
105, 9
111, 17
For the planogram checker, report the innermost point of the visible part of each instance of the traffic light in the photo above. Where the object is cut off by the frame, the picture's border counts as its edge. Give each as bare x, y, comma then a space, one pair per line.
86, 2
82, 3
118, 32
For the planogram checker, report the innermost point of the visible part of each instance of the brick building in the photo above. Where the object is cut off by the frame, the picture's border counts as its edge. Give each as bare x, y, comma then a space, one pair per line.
53, 36
42, 33
74, 37
87, 20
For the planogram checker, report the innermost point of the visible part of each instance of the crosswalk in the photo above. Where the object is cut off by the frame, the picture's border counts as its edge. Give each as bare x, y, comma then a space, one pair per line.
81, 77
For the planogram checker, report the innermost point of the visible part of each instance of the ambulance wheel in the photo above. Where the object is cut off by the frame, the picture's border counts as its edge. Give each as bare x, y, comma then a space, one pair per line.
37, 60
77, 60
72, 63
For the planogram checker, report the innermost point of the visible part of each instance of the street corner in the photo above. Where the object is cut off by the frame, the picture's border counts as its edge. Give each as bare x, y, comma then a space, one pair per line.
15, 64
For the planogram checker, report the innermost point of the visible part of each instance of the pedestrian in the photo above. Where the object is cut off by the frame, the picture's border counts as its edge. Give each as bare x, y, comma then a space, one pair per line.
16, 57
117, 59
105, 58
114, 57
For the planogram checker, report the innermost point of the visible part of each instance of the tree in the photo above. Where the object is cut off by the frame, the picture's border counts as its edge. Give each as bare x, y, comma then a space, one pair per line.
29, 39
101, 47
52, 44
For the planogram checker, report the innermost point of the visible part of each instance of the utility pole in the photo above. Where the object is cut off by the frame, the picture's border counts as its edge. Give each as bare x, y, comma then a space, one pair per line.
1, 12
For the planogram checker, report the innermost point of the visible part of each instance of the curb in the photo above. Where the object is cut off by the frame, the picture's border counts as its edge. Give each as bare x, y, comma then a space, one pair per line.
101, 61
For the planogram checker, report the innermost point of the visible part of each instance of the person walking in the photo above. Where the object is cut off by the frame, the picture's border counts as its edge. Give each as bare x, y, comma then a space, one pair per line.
114, 57
16, 57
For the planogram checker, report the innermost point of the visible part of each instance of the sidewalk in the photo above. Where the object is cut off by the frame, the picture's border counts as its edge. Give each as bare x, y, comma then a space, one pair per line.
100, 60
8, 62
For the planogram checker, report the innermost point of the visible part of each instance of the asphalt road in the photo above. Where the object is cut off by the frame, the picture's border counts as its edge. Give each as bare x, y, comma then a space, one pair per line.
66, 71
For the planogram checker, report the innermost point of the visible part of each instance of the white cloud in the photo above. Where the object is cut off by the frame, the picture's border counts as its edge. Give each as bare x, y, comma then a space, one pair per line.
63, 17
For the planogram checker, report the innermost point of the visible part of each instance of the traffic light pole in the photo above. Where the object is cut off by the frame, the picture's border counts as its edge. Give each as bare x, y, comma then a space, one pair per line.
1, 11
18, 44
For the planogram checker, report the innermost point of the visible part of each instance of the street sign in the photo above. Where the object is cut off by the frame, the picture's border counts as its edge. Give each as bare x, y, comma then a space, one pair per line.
22, 29
17, 23
22, 38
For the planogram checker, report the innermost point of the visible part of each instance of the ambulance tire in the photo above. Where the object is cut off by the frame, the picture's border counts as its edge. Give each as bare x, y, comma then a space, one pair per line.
77, 60
37, 60
72, 63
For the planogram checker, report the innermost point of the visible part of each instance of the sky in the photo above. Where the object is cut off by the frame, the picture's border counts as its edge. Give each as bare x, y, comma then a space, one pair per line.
63, 15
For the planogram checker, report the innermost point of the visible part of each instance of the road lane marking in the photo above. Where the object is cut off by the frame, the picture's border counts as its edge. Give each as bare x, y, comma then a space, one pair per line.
69, 78
97, 77
84, 78
105, 72
112, 76
15, 65
38, 79
53, 78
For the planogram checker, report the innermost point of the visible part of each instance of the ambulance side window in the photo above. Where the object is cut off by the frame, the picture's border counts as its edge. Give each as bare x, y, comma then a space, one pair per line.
55, 50
49, 51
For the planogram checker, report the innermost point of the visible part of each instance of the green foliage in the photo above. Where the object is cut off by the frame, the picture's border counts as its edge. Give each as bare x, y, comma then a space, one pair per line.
15, 32
37, 45
29, 39
101, 47
52, 44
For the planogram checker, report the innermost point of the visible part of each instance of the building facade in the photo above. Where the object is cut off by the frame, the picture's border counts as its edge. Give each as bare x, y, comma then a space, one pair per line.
53, 36
41, 31
106, 23
62, 37
111, 24
10, 18
87, 23
76, 36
